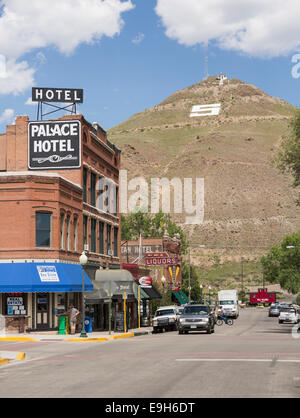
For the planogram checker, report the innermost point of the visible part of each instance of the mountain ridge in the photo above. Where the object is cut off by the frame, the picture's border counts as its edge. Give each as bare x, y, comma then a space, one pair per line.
248, 202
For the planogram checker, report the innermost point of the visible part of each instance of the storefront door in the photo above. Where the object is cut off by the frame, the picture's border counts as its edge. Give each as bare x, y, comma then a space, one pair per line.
42, 310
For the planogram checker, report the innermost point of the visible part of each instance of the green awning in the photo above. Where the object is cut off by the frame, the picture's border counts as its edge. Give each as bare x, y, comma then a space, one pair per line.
136, 292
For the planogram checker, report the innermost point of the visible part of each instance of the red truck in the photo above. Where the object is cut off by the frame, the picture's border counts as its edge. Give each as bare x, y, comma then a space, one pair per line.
262, 296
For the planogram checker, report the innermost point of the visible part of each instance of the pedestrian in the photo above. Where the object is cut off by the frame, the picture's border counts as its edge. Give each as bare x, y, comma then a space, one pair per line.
73, 314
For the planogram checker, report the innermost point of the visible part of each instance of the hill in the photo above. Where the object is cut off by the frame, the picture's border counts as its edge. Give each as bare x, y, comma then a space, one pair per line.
249, 204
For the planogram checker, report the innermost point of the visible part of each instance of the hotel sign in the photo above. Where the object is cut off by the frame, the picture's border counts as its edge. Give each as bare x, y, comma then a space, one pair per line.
54, 145
42, 94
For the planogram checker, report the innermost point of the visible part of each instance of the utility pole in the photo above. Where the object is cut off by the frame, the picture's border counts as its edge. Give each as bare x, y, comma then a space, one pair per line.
189, 275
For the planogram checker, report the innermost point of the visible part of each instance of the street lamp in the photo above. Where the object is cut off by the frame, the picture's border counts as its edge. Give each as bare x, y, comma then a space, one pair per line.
163, 280
201, 287
83, 261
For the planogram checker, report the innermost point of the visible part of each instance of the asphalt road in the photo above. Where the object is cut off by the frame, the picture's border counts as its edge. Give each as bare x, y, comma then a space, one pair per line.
256, 357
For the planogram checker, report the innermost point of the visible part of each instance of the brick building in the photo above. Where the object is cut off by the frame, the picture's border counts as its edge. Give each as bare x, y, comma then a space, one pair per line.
48, 217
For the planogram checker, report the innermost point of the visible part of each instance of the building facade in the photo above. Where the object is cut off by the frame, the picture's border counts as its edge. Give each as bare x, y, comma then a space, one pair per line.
48, 217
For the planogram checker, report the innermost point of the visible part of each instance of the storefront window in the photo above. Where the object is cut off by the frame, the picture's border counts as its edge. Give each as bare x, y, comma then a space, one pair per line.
15, 304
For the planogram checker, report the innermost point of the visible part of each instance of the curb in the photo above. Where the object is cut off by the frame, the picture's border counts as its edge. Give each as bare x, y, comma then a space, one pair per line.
23, 339
85, 339
17, 356
117, 337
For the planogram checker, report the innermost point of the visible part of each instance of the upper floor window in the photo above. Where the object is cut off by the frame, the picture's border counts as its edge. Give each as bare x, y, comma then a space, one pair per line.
43, 229
93, 189
62, 231
68, 233
75, 224
85, 185
93, 235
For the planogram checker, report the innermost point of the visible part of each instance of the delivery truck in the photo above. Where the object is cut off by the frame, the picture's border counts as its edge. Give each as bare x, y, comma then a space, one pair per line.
228, 303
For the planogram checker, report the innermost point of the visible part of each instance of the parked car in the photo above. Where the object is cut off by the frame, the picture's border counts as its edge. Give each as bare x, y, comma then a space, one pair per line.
274, 310
290, 315
196, 318
165, 318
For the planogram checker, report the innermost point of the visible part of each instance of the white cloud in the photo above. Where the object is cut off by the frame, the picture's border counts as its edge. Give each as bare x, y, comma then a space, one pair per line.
7, 116
63, 24
18, 76
265, 28
138, 39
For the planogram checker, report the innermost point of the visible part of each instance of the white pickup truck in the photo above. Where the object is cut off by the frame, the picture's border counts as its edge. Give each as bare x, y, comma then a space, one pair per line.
228, 303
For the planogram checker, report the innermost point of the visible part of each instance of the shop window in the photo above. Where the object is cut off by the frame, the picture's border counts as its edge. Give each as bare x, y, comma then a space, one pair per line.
15, 304
42, 229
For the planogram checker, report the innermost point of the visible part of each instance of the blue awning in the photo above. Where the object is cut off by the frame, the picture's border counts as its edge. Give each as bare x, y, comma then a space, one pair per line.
42, 277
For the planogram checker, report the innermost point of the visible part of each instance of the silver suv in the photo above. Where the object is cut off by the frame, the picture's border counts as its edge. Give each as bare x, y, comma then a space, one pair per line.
196, 318
165, 317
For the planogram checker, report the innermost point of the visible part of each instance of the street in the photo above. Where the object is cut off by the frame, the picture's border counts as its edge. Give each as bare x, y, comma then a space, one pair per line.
256, 357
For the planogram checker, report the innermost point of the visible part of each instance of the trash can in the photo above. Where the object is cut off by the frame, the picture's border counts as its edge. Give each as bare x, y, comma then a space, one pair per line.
88, 324
62, 325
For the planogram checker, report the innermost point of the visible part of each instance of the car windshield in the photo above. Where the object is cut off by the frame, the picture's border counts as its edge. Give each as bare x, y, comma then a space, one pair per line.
289, 310
196, 310
164, 312
227, 302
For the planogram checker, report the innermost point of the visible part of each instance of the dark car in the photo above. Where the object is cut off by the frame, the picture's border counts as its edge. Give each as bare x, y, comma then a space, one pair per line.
274, 310
196, 318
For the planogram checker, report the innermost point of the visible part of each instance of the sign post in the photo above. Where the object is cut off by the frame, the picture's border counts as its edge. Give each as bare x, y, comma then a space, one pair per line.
139, 305
110, 288
125, 325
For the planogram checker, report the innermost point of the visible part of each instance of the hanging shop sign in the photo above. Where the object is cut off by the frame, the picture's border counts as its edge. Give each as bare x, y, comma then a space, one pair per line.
145, 281
54, 145
42, 94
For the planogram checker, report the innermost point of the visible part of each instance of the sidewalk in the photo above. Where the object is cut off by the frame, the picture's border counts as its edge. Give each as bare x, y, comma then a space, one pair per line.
93, 336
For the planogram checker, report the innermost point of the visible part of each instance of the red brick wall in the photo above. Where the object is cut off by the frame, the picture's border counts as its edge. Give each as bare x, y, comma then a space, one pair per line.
22, 195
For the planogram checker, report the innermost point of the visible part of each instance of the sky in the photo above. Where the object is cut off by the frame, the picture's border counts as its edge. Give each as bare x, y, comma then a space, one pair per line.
130, 55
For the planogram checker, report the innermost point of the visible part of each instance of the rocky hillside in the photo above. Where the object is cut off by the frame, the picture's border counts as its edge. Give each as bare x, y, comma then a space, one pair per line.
249, 204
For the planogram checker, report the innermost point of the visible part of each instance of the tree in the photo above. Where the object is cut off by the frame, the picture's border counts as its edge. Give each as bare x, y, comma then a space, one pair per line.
288, 158
282, 264
150, 226
194, 281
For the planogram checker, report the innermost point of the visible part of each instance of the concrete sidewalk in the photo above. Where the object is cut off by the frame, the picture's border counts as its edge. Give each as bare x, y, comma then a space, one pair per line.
93, 336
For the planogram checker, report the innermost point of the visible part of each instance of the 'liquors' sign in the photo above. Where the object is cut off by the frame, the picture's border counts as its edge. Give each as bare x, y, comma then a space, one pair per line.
54, 145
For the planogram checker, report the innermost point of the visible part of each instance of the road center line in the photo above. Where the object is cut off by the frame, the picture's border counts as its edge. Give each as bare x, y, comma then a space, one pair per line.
238, 360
